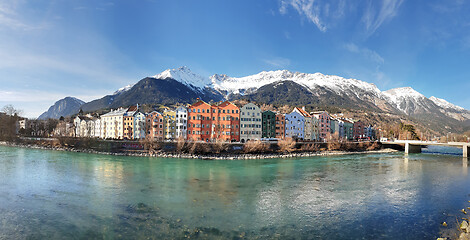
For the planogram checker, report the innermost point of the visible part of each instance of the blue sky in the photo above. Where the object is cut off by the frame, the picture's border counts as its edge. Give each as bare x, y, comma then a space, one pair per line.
89, 48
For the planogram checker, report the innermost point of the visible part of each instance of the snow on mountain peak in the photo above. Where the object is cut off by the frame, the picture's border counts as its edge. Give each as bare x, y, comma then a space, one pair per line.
309, 80
403, 92
445, 104
185, 76
123, 89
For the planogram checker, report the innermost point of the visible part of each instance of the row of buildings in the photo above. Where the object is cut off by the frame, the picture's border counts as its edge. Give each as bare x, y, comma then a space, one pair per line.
222, 121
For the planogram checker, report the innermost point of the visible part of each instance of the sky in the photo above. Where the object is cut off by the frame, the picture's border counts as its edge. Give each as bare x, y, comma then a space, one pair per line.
89, 48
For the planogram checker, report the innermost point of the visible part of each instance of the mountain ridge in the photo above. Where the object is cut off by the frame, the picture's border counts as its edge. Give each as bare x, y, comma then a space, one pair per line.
181, 85
62, 108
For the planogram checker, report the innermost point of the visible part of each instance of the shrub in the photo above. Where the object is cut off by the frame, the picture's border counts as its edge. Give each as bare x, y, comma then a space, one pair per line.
220, 146
151, 145
311, 147
255, 146
199, 148
332, 146
181, 145
286, 145
374, 146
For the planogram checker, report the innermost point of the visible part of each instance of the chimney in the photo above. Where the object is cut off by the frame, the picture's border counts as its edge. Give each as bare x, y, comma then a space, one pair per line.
303, 108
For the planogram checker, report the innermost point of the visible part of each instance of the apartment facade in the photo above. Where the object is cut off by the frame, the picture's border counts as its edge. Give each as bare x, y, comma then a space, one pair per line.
250, 122
154, 126
112, 124
295, 125
139, 125
280, 126
324, 129
181, 122
213, 122
358, 130
169, 127
268, 124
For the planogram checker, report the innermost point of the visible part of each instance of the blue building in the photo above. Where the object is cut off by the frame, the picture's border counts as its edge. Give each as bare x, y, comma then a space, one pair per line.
295, 124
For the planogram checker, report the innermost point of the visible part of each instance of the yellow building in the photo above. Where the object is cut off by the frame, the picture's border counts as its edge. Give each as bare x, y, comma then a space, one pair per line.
169, 127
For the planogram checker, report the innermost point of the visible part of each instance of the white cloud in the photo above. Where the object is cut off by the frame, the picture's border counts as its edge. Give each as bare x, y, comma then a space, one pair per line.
305, 8
11, 19
325, 14
278, 62
377, 12
368, 53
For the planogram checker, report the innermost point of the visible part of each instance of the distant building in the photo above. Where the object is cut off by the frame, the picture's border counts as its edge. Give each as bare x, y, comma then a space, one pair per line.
154, 125
181, 122
280, 126
97, 124
370, 133
139, 125
268, 124
309, 127
348, 129
295, 125
200, 122
227, 121
112, 124
250, 122
169, 127
84, 126
358, 130
323, 124
22, 124
213, 122
128, 126
335, 128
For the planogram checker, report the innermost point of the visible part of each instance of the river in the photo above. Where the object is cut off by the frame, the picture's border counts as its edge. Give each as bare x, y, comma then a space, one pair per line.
48, 194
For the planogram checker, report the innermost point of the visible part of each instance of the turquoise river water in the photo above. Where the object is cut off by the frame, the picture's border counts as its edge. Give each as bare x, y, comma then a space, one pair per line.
64, 195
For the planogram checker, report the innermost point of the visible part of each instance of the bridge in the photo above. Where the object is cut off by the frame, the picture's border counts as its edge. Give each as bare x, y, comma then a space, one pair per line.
414, 146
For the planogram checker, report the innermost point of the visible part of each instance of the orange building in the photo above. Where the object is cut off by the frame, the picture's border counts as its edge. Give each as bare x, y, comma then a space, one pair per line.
211, 122
154, 125
199, 121
128, 127
280, 126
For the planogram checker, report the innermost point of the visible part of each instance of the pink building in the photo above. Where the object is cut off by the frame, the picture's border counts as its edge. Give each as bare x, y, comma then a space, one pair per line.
324, 129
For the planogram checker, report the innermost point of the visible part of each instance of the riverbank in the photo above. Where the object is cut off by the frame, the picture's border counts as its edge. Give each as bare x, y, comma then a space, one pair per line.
219, 156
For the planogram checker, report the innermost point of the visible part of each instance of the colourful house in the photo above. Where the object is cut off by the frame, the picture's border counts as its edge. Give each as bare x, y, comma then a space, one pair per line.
324, 129
295, 125
269, 124
154, 125
280, 126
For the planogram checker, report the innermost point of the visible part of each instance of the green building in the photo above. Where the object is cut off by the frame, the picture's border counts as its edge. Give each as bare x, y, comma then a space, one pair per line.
269, 124
348, 129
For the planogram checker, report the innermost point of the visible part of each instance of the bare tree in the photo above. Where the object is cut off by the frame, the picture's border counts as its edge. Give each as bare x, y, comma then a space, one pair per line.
10, 110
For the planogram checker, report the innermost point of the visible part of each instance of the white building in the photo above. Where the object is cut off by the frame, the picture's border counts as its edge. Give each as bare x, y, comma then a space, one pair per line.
139, 125
181, 122
112, 124
97, 123
84, 126
250, 122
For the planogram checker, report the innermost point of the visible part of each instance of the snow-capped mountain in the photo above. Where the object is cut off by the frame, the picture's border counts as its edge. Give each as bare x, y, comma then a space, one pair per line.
413, 103
64, 107
445, 104
181, 85
185, 76
123, 89
249, 84
408, 100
